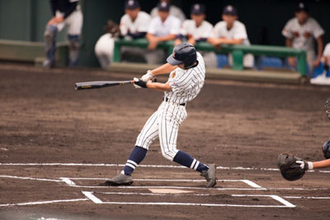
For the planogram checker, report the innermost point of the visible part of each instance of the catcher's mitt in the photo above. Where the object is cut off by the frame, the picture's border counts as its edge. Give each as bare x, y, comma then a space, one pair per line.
290, 167
112, 28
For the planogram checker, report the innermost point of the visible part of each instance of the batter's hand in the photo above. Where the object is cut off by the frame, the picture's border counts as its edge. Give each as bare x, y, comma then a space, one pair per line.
138, 83
148, 76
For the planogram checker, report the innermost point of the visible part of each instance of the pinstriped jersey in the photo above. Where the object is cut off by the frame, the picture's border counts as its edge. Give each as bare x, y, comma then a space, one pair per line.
186, 84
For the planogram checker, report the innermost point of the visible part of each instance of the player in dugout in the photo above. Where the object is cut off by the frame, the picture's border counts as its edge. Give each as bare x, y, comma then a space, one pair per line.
197, 29
133, 25
65, 13
164, 27
231, 31
300, 33
174, 10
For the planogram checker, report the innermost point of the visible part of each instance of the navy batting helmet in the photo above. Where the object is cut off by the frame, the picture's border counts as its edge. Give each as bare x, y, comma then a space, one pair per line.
183, 53
326, 149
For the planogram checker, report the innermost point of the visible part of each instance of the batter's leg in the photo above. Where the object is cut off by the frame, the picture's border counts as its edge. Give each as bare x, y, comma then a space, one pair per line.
168, 132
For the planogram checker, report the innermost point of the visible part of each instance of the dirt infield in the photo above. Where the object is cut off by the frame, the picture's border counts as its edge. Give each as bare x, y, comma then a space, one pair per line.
57, 144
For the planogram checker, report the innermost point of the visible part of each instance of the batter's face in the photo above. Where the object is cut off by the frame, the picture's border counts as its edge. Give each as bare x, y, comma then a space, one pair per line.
167, 1
229, 19
181, 66
163, 15
302, 16
198, 18
132, 13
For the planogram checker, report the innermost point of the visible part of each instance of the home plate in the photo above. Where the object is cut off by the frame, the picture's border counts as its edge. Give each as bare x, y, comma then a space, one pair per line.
173, 191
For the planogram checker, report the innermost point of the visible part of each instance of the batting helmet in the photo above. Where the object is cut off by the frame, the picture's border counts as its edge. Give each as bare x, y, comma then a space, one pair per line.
327, 108
183, 53
326, 149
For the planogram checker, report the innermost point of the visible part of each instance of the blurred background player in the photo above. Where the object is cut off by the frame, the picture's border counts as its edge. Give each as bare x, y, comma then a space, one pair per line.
65, 13
300, 33
324, 77
231, 31
174, 10
134, 24
198, 30
164, 27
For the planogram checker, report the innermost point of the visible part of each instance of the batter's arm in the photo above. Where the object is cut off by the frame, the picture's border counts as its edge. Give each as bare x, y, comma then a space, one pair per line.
163, 69
165, 87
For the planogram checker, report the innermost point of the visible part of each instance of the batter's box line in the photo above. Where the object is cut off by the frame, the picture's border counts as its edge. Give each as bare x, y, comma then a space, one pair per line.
285, 203
69, 181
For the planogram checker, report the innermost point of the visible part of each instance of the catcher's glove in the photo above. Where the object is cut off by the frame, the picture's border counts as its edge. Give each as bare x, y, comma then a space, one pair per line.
112, 28
291, 167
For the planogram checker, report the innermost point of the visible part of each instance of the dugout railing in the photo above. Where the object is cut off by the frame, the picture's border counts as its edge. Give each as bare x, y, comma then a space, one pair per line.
237, 51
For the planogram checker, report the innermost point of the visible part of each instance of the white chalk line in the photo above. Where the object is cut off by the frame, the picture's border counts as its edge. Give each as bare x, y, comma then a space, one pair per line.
285, 203
275, 197
307, 197
43, 202
147, 166
255, 186
30, 178
153, 194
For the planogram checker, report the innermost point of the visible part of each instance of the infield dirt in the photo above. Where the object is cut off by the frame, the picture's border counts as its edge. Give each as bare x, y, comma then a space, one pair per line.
44, 120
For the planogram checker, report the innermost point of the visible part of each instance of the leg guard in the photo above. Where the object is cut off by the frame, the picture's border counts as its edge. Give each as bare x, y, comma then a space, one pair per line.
50, 43
74, 50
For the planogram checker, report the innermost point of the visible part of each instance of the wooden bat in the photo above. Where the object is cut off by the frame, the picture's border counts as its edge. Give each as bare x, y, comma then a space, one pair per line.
99, 84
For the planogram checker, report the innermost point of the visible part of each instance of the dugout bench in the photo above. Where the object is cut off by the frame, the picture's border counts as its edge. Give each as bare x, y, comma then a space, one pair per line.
237, 51
31, 52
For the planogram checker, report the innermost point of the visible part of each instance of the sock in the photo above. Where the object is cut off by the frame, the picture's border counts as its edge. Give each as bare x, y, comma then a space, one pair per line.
188, 161
134, 159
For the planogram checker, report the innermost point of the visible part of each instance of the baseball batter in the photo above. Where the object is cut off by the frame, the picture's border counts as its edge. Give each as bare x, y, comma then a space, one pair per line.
65, 13
186, 79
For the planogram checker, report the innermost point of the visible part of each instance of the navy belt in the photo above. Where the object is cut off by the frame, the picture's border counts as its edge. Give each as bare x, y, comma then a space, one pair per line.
182, 104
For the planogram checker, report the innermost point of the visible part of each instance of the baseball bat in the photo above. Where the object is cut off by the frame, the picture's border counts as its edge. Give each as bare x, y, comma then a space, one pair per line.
99, 84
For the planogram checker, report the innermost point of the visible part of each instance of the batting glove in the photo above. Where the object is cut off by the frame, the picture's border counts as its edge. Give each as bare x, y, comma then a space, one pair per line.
148, 76
305, 165
139, 83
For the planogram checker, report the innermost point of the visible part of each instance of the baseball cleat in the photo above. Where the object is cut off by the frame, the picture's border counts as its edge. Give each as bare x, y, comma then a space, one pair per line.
119, 180
210, 176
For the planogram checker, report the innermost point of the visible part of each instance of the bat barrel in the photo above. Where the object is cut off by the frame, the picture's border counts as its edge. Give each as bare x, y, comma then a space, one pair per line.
99, 84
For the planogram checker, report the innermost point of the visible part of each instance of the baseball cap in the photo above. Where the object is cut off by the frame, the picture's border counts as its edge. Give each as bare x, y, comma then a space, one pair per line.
302, 7
132, 4
229, 10
163, 6
197, 9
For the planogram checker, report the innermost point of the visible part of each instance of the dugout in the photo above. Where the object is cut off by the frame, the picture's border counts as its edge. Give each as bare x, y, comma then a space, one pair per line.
24, 20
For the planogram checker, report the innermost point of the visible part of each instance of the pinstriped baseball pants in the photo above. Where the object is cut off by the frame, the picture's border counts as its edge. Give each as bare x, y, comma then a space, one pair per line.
164, 123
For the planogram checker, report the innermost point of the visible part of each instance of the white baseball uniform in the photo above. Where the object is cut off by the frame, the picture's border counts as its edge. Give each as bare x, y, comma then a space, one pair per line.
159, 29
326, 51
238, 31
199, 33
302, 36
165, 122
174, 10
74, 22
104, 46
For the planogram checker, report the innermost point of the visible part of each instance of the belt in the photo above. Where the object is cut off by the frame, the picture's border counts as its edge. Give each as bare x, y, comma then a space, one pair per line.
182, 104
